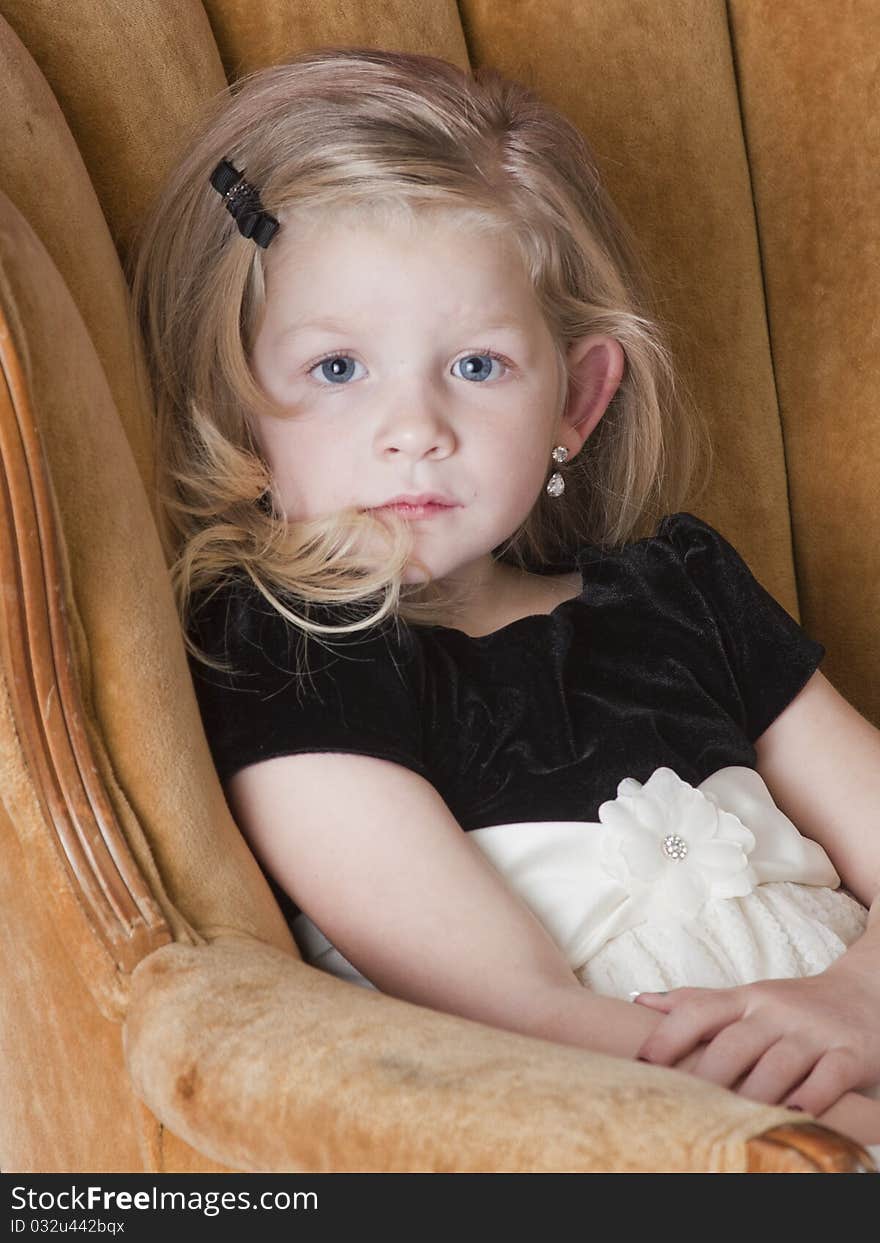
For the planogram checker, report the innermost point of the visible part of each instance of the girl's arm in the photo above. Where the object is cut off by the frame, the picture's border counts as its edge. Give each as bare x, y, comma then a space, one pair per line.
810, 1039
371, 852
820, 760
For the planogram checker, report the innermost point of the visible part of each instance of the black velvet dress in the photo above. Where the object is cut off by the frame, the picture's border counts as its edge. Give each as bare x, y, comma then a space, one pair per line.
672, 655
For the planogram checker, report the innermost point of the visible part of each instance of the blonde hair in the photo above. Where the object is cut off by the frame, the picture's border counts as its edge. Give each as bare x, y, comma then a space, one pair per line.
394, 134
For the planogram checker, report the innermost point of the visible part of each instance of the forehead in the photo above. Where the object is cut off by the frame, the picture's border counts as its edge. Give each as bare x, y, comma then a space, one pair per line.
401, 222
375, 267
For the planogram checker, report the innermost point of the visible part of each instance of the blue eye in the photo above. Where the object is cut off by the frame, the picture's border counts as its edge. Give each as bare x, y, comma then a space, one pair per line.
335, 368
474, 366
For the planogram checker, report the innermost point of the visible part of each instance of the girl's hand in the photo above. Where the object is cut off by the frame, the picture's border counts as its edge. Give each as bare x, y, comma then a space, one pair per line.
803, 1041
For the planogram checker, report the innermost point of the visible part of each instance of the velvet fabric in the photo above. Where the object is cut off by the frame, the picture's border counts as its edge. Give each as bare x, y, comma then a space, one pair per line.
673, 654
235, 1045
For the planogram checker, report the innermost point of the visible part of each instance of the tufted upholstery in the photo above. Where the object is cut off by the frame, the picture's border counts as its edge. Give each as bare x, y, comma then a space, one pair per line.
155, 1014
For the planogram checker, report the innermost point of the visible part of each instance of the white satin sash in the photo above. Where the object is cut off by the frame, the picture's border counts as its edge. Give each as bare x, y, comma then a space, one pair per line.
658, 852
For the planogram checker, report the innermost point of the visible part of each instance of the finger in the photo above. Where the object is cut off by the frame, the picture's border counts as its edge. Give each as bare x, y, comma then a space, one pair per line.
777, 1071
655, 1001
730, 1056
669, 997
836, 1072
699, 1019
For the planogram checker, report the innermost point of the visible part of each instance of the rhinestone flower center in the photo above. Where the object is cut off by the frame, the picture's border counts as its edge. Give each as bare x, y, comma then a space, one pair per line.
674, 847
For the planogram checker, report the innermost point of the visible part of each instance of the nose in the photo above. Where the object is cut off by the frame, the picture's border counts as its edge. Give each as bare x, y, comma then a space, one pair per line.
416, 430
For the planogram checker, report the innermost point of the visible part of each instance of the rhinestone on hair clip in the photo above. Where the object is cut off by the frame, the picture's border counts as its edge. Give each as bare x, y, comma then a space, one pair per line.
243, 204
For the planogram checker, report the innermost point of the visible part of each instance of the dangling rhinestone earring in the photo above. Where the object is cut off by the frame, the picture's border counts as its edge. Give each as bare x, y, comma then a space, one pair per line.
556, 484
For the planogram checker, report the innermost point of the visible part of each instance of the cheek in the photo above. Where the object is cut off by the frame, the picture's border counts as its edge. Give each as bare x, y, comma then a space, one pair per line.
299, 466
523, 471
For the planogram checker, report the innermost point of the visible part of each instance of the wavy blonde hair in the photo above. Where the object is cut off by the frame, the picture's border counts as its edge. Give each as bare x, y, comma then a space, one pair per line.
393, 134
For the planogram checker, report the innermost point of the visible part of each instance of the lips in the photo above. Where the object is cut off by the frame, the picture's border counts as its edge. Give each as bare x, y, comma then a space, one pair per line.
420, 501
415, 508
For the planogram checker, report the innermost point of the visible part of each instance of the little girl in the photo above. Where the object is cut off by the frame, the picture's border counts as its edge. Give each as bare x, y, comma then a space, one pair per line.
544, 757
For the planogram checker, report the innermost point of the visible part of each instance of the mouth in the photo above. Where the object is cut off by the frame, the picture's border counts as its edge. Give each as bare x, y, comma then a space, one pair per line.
432, 510
417, 505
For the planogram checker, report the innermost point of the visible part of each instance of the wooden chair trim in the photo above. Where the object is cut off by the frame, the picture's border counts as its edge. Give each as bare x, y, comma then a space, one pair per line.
46, 702
806, 1148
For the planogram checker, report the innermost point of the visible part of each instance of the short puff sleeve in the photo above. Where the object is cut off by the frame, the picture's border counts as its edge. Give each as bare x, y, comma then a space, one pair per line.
771, 656
359, 694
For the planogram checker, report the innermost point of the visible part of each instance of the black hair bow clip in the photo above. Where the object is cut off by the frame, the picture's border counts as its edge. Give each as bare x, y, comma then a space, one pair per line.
243, 204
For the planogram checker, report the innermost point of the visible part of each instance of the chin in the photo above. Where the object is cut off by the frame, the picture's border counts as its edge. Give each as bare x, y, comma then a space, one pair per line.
414, 575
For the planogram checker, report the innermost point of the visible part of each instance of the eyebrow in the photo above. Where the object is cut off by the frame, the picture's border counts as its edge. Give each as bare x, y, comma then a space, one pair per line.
301, 325
329, 324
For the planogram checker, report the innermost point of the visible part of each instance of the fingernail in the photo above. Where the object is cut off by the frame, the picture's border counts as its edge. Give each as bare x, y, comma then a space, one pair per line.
635, 993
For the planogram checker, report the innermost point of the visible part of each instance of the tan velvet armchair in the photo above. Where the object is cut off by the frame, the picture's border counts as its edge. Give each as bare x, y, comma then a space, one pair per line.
155, 1014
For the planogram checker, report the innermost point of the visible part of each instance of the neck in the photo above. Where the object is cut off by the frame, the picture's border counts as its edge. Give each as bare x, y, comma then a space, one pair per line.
502, 596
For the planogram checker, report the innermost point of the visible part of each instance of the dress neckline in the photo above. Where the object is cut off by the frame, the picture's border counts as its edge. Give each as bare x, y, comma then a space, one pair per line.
527, 621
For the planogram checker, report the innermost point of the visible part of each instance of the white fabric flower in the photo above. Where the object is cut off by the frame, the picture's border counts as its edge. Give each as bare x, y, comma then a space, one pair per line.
672, 847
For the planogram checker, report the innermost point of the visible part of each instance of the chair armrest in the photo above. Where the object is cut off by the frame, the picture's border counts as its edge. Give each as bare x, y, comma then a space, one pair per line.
267, 1064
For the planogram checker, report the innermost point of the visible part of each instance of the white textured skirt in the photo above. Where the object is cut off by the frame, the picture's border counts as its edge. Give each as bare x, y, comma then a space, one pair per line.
676, 886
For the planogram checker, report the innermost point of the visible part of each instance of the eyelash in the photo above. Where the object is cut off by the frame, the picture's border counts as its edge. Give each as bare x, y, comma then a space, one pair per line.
343, 354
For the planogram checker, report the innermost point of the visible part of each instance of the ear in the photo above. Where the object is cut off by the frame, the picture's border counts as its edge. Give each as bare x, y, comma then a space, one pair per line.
596, 364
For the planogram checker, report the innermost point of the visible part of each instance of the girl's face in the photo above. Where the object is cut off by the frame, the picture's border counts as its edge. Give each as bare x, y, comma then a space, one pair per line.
409, 360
